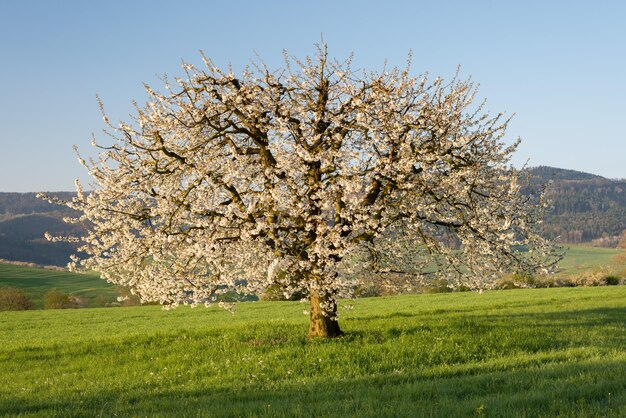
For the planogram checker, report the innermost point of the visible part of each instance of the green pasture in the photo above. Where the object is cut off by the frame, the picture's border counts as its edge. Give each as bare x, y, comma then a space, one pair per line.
581, 259
35, 282
518, 353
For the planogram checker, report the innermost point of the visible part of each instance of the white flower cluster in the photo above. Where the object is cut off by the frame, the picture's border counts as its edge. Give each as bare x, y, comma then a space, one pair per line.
312, 178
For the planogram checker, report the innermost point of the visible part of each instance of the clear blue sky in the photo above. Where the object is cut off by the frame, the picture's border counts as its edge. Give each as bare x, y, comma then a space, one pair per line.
559, 65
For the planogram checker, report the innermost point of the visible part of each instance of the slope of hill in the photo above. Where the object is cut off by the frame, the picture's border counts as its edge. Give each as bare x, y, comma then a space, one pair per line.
35, 282
586, 207
16, 204
22, 239
24, 219
545, 173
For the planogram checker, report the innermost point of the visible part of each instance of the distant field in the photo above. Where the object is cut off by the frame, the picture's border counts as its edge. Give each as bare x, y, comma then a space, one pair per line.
579, 259
518, 353
35, 282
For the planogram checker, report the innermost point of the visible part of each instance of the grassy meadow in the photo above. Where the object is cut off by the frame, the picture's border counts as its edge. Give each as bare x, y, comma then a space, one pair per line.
582, 259
518, 353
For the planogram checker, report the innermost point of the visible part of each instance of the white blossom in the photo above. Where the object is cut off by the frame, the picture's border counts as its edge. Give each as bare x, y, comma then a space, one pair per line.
323, 173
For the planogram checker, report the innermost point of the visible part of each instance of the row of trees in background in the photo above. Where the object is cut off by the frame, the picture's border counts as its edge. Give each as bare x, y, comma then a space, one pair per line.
14, 299
19, 204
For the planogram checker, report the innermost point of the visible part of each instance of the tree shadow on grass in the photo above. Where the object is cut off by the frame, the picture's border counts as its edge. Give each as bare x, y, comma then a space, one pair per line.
559, 323
565, 324
583, 389
587, 317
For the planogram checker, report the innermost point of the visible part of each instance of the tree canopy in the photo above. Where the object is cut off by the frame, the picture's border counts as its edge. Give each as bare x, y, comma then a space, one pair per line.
312, 177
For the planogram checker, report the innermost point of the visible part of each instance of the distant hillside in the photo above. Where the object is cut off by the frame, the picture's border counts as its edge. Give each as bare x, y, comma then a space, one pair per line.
544, 173
586, 207
24, 219
15, 204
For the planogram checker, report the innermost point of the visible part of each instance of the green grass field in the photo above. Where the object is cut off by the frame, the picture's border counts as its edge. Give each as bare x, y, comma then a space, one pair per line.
518, 353
35, 282
581, 259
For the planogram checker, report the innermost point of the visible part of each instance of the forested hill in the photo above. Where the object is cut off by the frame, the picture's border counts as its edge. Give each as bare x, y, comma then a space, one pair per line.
542, 174
586, 207
13, 204
24, 219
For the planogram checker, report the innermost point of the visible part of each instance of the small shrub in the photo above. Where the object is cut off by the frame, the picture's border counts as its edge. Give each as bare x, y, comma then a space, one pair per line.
12, 299
55, 299
369, 290
591, 279
437, 286
586, 279
506, 283
518, 281
620, 259
78, 302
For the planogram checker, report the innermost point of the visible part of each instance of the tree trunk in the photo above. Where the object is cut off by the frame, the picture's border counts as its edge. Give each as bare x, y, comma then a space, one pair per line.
320, 325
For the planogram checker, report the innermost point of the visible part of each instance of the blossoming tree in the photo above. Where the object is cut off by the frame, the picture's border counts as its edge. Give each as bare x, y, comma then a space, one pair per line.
313, 178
